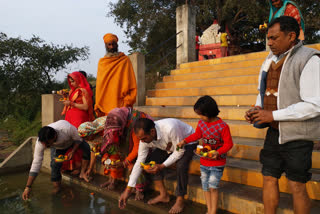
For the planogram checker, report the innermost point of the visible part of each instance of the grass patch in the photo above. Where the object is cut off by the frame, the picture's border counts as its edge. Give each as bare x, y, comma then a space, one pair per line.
19, 128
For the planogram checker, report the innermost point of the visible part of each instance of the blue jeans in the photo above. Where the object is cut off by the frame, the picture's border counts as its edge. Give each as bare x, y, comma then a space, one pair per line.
211, 176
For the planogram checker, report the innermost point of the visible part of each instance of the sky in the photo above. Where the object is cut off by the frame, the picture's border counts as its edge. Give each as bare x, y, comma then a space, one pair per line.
77, 22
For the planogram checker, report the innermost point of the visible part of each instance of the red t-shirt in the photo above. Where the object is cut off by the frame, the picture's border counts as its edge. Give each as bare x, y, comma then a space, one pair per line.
218, 133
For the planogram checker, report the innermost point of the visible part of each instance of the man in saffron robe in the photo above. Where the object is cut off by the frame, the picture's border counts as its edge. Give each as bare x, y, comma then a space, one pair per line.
116, 83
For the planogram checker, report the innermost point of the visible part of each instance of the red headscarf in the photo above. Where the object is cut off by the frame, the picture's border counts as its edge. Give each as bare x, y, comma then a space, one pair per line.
84, 87
81, 82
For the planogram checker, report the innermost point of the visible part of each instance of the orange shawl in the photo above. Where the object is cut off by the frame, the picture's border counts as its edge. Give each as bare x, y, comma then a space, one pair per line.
116, 83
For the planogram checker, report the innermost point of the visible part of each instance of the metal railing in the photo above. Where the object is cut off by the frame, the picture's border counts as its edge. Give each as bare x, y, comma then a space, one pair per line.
166, 55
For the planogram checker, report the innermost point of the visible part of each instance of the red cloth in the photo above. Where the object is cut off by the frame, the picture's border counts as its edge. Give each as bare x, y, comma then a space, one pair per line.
113, 171
220, 132
197, 43
292, 11
75, 162
74, 115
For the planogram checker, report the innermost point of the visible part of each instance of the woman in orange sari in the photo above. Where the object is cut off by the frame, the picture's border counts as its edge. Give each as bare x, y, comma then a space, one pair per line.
78, 108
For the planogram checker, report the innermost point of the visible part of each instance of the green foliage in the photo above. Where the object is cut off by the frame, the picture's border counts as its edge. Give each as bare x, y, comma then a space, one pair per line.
148, 23
20, 128
311, 14
27, 68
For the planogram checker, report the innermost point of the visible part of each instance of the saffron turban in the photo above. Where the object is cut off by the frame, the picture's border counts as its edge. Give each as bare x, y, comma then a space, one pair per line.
109, 37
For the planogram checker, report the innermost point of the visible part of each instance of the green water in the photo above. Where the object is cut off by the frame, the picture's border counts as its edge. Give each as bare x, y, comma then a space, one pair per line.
72, 199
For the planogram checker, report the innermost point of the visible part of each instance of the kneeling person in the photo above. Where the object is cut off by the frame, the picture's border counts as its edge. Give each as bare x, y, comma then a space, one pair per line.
163, 136
60, 136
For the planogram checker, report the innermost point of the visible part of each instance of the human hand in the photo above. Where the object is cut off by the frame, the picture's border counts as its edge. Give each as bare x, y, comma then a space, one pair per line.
70, 155
155, 169
181, 144
88, 172
118, 164
67, 102
261, 116
316, 145
26, 193
62, 92
99, 113
124, 197
248, 114
214, 154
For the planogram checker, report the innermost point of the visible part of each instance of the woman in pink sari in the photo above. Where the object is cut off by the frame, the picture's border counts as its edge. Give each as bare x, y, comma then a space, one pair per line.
78, 108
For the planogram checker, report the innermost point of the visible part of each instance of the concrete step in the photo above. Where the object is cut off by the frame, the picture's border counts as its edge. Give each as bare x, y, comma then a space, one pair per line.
242, 57
216, 67
233, 197
213, 90
248, 172
246, 148
249, 149
222, 100
133, 206
236, 198
236, 80
229, 59
254, 70
237, 128
226, 112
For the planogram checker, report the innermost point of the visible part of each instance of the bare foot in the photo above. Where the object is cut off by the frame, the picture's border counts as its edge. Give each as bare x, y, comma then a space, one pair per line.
84, 177
75, 172
139, 196
88, 172
105, 184
158, 199
111, 186
56, 190
177, 207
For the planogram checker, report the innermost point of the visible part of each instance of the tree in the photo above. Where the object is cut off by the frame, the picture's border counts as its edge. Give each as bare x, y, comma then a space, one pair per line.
311, 14
27, 68
148, 23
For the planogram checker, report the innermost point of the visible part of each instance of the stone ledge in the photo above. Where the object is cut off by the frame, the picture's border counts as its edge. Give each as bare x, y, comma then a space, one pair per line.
191, 207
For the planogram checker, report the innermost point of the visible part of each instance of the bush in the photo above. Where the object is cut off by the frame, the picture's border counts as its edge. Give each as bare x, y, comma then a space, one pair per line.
21, 128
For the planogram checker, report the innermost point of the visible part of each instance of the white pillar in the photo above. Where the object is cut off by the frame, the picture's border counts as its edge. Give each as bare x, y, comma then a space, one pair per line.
139, 67
186, 24
51, 108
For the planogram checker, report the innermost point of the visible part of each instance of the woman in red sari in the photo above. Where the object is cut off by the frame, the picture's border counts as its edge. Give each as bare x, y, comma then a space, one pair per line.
78, 108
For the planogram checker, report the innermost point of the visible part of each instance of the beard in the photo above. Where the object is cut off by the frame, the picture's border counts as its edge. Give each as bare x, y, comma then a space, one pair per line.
112, 50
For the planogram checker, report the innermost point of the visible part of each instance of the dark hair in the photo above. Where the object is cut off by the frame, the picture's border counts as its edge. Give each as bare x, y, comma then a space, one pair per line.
145, 124
83, 73
206, 106
46, 133
287, 25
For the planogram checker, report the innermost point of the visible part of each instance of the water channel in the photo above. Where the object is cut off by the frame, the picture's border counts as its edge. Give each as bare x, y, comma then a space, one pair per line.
72, 199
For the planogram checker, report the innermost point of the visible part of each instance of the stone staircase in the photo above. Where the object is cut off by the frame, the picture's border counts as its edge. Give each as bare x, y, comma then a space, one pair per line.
232, 82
